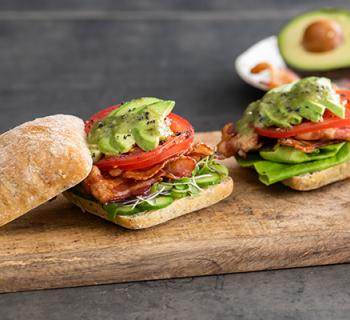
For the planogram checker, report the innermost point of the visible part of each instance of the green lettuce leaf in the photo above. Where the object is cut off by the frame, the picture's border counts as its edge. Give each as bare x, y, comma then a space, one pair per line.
285, 154
271, 172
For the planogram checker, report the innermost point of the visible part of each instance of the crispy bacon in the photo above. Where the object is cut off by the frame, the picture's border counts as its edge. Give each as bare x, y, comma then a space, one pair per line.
118, 185
115, 172
199, 151
327, 134
305, 146
183, 166
174, 168
233, 143
107, 189
144, 174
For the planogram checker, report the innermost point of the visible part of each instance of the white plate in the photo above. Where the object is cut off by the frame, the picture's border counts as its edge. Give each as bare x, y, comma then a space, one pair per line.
265, 50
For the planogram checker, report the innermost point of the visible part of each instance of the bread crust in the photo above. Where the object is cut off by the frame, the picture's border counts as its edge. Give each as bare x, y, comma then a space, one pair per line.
319, 179
39, 160
178, 208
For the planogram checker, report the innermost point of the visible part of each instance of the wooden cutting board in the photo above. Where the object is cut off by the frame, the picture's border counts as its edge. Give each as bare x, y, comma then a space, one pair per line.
256, 228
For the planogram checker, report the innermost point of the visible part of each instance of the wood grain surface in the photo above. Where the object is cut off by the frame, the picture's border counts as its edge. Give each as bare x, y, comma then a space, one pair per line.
257, 228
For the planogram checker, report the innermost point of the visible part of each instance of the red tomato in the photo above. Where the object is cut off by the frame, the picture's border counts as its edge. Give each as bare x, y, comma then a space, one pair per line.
139, 159
329, 121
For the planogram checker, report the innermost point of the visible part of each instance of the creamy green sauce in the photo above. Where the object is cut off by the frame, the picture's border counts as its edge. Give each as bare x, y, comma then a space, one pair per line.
289, 104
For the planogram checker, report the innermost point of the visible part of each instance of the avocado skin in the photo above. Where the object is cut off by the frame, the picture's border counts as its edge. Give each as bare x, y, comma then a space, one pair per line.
329, 64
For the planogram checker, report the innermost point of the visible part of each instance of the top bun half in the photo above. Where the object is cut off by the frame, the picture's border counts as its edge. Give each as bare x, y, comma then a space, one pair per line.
39, 160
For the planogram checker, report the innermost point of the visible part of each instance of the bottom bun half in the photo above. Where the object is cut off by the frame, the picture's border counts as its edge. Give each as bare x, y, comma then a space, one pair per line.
319, 179
142, 220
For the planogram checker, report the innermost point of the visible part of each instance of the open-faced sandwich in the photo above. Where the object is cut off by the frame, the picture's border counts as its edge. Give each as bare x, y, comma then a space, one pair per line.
297, 134
147, 168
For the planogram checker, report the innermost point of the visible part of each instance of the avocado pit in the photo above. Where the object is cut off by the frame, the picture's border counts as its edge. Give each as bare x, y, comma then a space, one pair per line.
322, 36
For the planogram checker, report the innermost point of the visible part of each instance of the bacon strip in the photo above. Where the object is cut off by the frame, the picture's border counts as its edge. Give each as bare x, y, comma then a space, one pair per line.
116, 172
174, 168
305, 146
143, 174
107, 189
118, 185
199, 151
326, 134
180, 167
233, 143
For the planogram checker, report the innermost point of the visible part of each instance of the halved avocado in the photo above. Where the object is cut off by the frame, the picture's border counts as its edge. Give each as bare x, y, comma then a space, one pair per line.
291, 41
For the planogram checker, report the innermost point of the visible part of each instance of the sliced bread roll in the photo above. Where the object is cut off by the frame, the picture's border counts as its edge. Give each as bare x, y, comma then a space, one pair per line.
39, 160
319, 179
179, 207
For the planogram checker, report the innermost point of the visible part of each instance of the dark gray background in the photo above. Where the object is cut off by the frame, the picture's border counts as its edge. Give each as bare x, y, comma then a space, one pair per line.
79, 56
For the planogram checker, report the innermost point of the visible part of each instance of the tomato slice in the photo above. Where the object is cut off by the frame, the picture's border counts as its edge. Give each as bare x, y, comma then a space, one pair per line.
344, 94
139, 159
329, 121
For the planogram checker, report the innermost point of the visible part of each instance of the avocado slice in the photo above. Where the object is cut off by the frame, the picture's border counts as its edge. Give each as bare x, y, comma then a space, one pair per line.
145, 139
147, 133
105, 145
140, 121
122, 142
311, 110
337, 109
162, 108
133, 105
273, 118
295, 55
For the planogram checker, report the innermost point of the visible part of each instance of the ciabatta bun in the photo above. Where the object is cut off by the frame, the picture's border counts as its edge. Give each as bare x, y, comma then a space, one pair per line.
319, 179
39, 160
148, 219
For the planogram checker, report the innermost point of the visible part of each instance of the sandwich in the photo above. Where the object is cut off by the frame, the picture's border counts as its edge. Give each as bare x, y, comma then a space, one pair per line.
147, 169
297, 134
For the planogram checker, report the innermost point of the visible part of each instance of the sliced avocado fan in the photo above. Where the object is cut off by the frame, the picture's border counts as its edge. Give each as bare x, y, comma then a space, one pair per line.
139, 121
288, 105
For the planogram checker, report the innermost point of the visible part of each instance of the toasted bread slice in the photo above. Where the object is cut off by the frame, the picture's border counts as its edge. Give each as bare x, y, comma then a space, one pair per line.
319, 179
179, 207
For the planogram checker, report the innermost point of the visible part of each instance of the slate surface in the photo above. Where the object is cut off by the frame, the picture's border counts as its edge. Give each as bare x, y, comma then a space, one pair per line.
78, 56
